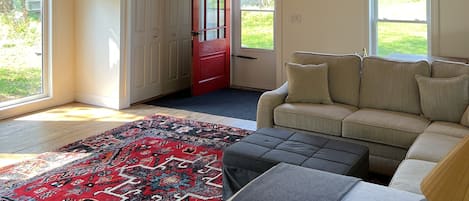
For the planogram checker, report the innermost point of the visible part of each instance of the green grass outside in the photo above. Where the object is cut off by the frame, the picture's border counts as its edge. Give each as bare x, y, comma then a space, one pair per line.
398, 38
19, 82
257, 30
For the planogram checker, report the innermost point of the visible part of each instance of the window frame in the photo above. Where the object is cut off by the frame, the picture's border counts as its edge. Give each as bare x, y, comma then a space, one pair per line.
46, 82
374, 20
273, 11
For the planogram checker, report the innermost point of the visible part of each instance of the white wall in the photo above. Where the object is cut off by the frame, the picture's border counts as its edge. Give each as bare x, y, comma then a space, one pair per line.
98, 53
451, 31
62, 52
329, 26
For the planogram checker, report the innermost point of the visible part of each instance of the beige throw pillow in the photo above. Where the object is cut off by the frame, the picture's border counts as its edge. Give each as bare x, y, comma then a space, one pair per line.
308, 84
443, 99
465, 118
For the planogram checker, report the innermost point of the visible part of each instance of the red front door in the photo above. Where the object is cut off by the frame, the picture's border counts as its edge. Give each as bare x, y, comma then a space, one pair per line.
211, 45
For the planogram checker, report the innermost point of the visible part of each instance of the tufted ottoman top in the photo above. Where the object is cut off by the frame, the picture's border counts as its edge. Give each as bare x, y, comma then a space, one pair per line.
267, 147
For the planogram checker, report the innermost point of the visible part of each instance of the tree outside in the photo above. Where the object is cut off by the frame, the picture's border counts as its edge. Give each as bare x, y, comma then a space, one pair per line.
21, 49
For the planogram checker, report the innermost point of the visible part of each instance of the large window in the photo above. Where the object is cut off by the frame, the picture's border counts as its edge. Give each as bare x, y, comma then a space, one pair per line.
257, 24
22, 69
400, 28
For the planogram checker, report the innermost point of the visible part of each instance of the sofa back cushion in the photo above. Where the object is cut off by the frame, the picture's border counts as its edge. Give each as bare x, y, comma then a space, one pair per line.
343, 72
444, 69
391, 85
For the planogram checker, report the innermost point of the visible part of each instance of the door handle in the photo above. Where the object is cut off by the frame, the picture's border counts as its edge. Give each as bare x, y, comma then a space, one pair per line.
244, 57
195, 33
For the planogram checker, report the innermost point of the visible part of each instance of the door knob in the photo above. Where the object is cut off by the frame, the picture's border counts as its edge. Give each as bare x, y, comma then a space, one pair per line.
195, 33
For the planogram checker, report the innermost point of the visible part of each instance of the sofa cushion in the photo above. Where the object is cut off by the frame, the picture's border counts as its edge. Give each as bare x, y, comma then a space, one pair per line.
391, 85
410, 174
448, 128
386, 127
443, 99
307, 84
344, 74
313, 117
432, 147
447, 69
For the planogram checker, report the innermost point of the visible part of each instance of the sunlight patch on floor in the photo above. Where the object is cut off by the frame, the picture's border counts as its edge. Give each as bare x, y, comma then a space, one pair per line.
25, 166
78, 112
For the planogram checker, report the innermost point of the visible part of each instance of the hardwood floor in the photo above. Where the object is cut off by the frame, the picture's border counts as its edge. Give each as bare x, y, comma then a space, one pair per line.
26, 136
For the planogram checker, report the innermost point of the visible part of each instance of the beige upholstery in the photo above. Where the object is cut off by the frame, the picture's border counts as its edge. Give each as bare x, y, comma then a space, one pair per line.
381, 126
410, 174
344, 74
447, 128
307, 84
465, 118
443, 99
449, 69
432, 147
313, 117
266, 105
391, 85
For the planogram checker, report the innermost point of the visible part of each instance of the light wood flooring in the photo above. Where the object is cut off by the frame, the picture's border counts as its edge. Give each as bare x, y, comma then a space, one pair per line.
26, 136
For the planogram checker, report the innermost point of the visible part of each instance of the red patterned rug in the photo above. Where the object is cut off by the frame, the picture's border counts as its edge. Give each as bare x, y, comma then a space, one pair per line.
158, 158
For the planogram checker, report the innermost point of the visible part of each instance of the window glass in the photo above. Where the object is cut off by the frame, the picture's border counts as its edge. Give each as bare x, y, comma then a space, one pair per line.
21, 47
257, 24
401, 29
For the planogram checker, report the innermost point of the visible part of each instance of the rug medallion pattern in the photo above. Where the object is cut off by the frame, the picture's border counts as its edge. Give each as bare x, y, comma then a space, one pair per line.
158, 158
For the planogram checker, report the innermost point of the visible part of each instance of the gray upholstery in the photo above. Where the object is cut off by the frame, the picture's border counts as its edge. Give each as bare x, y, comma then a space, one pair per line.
267, 147
313, 117
306, 184
288, 182
386, 127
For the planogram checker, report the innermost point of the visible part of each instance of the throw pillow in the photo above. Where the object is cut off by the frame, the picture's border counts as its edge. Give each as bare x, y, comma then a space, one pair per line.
443, 99
308, 84
465, 118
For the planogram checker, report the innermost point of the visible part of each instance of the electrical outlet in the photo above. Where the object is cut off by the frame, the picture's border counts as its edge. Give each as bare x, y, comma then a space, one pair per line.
296, 19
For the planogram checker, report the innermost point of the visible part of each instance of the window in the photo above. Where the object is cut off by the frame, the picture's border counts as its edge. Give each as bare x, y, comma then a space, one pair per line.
22, 65
257, 24
400, 28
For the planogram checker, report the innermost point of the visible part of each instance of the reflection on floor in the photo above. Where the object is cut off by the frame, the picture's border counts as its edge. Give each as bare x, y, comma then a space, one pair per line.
23, 137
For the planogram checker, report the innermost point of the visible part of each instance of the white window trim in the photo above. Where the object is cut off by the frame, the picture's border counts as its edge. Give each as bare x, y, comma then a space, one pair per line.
46, 72
374, 19
237, 16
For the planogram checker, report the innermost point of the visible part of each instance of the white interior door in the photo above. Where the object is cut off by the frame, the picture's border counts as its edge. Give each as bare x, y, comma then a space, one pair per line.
254, 56
146, 44
177, 45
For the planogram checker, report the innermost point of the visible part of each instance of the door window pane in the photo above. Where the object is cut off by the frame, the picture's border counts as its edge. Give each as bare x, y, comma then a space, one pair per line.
212, 20
258, 5
257, 24
21, 66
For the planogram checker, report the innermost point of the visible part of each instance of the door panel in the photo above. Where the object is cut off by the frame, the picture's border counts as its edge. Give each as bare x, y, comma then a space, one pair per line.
254, 53
211, 45
178, 53
146, 41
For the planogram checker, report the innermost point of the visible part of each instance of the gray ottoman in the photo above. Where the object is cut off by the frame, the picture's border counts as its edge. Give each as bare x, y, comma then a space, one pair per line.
253, 155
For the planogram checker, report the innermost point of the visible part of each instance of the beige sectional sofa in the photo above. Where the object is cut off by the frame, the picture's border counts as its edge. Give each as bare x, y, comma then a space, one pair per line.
376, 103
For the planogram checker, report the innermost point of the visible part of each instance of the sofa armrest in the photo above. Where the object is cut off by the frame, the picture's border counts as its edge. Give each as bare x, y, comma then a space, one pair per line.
267, 103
